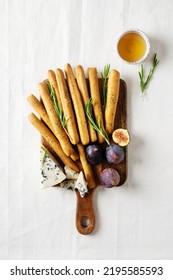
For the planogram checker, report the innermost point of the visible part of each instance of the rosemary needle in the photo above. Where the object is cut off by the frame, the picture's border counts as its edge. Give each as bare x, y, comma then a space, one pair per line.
104, 76
144, 83
44, 157
57, 107
96, 125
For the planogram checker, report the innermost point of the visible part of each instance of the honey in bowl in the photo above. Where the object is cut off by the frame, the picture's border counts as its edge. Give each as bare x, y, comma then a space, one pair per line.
133, 46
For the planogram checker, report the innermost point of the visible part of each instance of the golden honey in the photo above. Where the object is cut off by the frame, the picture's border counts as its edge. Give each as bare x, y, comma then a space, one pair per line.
132, 47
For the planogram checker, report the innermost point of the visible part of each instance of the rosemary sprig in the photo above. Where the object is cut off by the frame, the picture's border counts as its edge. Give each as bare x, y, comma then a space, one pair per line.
57, 107
144, 83
44, 157
96, 125
104, 76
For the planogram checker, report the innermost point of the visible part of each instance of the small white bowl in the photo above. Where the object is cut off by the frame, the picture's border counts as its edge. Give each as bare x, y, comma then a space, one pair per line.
145, 38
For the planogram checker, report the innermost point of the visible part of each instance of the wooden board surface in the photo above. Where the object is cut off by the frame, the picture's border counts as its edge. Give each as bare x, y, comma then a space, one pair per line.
85, 218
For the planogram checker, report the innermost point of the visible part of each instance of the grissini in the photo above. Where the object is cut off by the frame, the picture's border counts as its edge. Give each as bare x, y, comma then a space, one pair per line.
86, 167
39, 108
95, 95
81, 81
67, 107
52, 80
52, 141
112, 100
78, 105
57, 127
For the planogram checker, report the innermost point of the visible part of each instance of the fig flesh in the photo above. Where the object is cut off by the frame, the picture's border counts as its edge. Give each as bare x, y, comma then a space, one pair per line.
121, 137
109, 177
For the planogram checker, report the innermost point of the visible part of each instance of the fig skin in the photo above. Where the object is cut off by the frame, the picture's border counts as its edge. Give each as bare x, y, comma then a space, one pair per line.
95, 154
109, 177
114, 154
121, 137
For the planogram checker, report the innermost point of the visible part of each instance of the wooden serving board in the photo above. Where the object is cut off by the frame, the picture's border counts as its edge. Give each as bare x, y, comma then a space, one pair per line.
85, 218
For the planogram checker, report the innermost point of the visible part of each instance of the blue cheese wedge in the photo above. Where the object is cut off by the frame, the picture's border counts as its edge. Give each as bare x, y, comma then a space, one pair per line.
68, 184
70, 173
81, 184
51, 172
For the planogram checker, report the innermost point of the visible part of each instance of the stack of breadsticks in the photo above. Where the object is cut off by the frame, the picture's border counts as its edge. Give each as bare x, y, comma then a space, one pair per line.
72, 95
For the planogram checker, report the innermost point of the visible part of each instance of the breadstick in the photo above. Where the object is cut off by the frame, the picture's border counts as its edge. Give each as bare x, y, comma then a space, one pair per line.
81, 81
86, 167
39, 108
112, 100
58, 129
53, 82
78, 106
52, 141
67, 107
95, 95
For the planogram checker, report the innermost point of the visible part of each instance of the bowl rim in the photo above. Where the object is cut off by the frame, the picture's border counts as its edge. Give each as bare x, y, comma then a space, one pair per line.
146, 39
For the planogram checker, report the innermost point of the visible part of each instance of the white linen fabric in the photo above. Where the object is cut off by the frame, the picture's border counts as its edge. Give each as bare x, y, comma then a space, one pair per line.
132, 222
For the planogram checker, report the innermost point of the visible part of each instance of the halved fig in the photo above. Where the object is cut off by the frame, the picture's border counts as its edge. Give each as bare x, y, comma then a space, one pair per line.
121, 137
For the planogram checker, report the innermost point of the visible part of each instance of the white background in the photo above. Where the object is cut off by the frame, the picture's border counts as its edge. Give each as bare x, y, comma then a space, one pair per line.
132, 222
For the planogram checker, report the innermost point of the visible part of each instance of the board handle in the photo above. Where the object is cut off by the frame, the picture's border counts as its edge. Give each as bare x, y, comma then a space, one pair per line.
85, 219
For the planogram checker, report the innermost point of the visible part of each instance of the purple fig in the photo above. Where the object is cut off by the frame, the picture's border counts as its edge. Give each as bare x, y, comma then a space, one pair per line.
109, 177
114, 154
